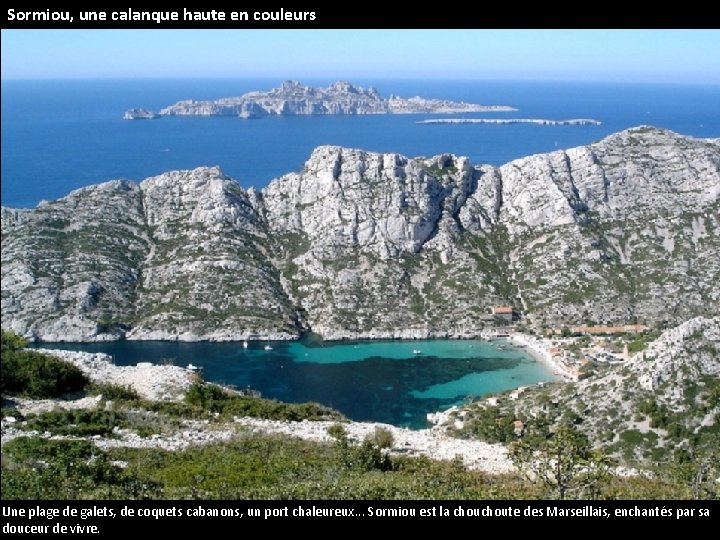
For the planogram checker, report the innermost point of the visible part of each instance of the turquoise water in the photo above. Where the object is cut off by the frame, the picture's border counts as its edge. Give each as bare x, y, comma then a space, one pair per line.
397, 382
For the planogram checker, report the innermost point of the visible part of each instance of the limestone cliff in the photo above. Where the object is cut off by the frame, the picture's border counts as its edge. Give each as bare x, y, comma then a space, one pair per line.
359, 244
293, 98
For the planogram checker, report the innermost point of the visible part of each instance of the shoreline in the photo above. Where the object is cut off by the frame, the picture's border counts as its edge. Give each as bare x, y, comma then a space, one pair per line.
333, 337
160, 382
538, 348
169, 383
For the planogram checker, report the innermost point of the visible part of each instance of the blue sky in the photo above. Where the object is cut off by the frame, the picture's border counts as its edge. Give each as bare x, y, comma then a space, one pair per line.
691, 56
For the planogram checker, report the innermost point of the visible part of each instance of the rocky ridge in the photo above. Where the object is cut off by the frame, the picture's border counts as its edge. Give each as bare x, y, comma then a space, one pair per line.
293, 98
360, 244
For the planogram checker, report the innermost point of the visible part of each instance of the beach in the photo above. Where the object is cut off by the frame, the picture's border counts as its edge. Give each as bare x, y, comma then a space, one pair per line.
539, 348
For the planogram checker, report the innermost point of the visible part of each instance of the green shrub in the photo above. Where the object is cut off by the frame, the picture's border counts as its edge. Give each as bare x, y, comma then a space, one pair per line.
637, 345
35, 375
112, 392
565, 464
205, 395
632, 437
262, 467
490, 424
37, 468
337, 432
214, 399
12, 342
368, 457
33, 449
381, 437
78, 423
39, 376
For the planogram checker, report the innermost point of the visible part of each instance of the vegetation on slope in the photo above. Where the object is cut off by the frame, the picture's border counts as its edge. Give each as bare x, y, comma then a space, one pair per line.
34, 375
69, 465
269, 467
659, 413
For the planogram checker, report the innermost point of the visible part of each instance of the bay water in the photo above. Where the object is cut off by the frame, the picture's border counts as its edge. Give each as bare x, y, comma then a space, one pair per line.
396, 382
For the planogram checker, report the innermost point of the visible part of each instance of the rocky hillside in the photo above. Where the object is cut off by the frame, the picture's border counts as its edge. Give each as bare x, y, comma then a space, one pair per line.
182, 256
293, 98
664, 399
359, 244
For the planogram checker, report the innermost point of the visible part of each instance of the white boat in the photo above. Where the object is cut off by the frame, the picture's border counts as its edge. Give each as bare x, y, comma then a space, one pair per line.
268, 348
192, 367
417, 351
245, 344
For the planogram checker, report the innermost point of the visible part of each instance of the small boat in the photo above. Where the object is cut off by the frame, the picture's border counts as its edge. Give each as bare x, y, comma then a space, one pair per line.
192, 367
245, 344
417, 351
268, 348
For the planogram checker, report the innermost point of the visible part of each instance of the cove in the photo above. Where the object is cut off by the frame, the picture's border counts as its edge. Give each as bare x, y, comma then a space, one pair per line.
395, 382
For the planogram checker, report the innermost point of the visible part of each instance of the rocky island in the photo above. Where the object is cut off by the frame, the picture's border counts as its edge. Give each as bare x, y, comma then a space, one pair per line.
293, 98
502, 121
140, 114
366, 245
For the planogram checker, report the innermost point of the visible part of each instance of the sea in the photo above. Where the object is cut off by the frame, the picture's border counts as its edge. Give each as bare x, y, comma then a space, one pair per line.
60, 135
395, 382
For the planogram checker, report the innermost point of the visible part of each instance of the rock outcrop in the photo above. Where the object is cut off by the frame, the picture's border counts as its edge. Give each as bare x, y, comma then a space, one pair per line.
662, 400
359, 244
292, 98
140, 114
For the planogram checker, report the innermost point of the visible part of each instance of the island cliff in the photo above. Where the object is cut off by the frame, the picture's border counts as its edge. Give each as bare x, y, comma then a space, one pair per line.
293, 98
360, 244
